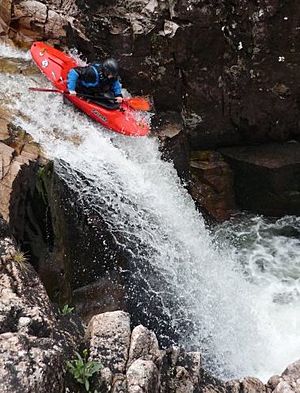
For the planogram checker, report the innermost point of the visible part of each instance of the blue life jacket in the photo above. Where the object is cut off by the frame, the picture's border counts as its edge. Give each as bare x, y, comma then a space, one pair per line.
92, 77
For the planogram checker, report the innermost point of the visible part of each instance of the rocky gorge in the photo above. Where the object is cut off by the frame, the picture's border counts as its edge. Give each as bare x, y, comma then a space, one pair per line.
228, 128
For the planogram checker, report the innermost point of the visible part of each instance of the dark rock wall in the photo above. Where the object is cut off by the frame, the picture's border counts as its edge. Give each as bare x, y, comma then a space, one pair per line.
229, 66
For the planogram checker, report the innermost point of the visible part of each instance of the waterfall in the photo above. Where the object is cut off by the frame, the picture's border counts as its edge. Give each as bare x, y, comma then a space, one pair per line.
219, 310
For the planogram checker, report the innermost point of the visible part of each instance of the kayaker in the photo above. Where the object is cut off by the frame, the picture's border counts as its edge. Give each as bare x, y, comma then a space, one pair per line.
100, 80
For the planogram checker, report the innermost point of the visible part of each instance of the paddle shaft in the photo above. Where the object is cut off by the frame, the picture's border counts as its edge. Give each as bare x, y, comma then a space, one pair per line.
67, 93
137, 103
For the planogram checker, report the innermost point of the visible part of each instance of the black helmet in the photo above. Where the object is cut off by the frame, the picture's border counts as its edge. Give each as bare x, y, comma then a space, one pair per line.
110, 66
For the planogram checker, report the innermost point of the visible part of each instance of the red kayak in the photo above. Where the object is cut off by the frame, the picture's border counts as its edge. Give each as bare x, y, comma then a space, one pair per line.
56, 65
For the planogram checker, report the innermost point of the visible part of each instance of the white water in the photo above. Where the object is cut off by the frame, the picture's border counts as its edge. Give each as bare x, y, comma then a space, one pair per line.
235, 321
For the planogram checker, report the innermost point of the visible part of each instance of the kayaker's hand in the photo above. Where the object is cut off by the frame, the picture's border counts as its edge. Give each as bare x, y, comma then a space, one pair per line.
119, 99
72, 93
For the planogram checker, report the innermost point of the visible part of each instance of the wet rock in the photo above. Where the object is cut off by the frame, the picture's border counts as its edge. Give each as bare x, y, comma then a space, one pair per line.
88, 302
142, 377
266, 178
181, 371
211, 184
288, 382
109, 335
174, 143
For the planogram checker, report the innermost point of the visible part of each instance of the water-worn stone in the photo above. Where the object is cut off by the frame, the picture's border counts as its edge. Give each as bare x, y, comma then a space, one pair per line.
142, 377
266, 177
109, 336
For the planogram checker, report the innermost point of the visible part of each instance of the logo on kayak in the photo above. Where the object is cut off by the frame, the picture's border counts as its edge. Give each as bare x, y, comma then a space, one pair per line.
98, 114
45, 63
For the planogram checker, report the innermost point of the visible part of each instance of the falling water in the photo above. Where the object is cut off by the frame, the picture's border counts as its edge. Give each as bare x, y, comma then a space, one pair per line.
230, 310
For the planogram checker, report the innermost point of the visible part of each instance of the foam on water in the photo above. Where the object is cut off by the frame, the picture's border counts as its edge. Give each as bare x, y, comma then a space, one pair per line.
9, 52
234, 320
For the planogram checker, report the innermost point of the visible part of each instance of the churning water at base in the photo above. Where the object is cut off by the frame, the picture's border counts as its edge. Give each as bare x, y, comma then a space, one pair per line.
222, 294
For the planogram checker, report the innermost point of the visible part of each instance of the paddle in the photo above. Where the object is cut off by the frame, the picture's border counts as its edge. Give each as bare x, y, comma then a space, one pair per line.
137, 103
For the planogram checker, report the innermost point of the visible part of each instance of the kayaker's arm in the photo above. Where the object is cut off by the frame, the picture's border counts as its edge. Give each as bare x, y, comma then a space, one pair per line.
117, 88
72, 81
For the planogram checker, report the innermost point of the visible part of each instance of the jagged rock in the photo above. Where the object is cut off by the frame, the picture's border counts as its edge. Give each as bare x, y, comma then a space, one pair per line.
144, 345
253, 385
23, 296
34, 342
109, 336
142, 377
273, 382
266, 178
29, 364
19, 155
181, 371
34, 20
5, 118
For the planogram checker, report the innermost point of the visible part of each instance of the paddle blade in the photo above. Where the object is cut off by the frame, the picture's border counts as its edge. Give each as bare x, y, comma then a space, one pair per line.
138, 103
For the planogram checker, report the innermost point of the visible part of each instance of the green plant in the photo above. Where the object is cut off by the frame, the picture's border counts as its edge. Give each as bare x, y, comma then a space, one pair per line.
82, 369
66, 310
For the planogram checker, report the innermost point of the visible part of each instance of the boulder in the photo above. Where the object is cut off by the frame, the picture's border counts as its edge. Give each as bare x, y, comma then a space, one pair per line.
109, 337
144, 345
142, 377
246, 385
288, 382
180, 371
